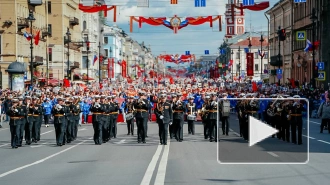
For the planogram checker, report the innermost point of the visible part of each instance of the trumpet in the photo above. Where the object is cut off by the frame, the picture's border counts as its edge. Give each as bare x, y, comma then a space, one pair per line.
97, 105
140, 101
58, 107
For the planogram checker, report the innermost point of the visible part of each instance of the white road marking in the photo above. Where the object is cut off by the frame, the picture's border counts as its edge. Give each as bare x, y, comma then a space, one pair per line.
272, 154
160, 177
4, 129
324, 142
46, 132
152, 165
315, 122
4, 145
40, 161
308, 137
121, 141
82, 129
40, 145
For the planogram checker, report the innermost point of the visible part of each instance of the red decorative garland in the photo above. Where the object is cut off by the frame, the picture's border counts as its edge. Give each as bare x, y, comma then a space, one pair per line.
98, 8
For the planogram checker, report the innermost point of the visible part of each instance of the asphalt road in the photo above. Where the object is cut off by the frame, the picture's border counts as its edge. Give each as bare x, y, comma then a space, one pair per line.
123, 161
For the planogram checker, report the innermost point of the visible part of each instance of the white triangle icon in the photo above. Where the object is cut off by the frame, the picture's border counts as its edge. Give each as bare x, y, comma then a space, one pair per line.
321, 75
259, 131
301, 36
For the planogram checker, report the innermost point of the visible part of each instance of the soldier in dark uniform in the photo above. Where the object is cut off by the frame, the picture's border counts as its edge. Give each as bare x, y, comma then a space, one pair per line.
178, 113
172, 128
286, 118
114, 114
40, 116
58, 111
191, 110
68, 117
70, 120
29, 120
76, 117
164, 115
129, 110
212, 108
106, 116
278, 119
22, 106
37, 115
296, 120
252, 107
98, 110
141, 107
14, 113
204, 116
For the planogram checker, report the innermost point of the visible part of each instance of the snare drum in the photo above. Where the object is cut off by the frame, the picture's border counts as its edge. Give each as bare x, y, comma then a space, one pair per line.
191, 117
129, 116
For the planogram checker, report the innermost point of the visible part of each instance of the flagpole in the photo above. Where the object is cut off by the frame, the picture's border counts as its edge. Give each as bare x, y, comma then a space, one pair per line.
31, 19
99, 63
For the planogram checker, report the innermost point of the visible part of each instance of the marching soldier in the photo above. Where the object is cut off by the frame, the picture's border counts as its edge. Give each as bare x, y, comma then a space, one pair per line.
191, 110
106, 117
286, 118
212, 108
164, 115
172, 126
29, 120
76, 117
15, 114
114, 114
37, 115
204, 116
252, 107
130, 115
296, 121
141, 107
98, 111
58, 111
178, 113
22, 120
70, 120
40, 117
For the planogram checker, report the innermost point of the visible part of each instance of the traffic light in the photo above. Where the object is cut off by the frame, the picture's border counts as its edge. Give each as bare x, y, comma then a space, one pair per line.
282, 34
87, 44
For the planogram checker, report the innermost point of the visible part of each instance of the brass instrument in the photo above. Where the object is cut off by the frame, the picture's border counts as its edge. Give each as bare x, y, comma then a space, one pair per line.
270, 111
97, 105
58, 107
160, 107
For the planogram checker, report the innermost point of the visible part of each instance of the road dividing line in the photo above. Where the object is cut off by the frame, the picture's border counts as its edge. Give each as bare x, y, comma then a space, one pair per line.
46, 132
315, 122
4, 129
4, 145
152, 165
324, 142
272, 154
40, 145
160, 177
40, 161
309, 137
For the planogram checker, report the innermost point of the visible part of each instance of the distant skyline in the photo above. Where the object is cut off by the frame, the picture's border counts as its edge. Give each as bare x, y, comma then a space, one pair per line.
195, 39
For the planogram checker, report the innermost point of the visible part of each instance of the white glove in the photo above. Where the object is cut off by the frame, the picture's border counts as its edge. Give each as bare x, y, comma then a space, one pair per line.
16, 110
295, 103
161, 117
287, 116
170, 123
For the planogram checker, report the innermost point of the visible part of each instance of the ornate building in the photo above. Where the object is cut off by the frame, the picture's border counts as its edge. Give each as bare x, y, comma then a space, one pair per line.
235, 20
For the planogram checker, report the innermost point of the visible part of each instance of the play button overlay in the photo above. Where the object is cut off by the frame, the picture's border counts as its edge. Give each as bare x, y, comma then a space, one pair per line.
264, 131
259, 131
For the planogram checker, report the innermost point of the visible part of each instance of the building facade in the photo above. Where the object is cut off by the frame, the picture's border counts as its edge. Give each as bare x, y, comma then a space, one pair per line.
235, 20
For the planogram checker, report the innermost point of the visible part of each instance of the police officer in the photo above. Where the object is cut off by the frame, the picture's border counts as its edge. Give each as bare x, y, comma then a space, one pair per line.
141, 107
296, 121
178, 116
129, 110
164, 115
97, 119
212, 108
191, 110
58, 111
14, 113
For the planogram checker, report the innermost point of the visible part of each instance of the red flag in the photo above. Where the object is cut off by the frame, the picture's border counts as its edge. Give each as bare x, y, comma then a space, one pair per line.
123, 69
37, 38
254, 86
249, 64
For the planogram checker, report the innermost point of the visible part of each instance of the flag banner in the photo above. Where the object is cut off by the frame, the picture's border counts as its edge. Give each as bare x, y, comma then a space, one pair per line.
142, 3
112, 66
123, 69
95, 59
249, 64
174, 1
37, 38
27, 36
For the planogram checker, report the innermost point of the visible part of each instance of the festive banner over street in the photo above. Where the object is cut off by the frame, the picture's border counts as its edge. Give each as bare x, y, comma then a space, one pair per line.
97, 8
256, 7
123, 69
177, 58
249, 64
175, 23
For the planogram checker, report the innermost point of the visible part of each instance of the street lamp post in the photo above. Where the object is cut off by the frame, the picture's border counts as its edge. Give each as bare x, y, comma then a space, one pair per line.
99, 62
313, 18
111, 63
31, 19
279, 52
262, 56
68, 54
232, 66
239, 64
87, 47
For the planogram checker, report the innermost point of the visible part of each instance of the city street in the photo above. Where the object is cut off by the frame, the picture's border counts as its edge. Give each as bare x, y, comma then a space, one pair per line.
123, 161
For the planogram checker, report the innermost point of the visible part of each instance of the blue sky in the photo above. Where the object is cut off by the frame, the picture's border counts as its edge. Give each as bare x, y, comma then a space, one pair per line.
195, 39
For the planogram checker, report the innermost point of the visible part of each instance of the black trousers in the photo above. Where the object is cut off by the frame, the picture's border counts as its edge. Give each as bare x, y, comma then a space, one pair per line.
114, 125
225, 125
213, 130
160, 130
171, 130
245, 128
164, 132
21, 131
278, 126
75, 127
105, 129
97, 126
142, 124
191, 127
241, 121
35, 130
64, 132
206, 128
296, 124
130, 126
69, 136
178, 128
59, 132
286, 130
28, 132
15, 133
47, 118
325, 123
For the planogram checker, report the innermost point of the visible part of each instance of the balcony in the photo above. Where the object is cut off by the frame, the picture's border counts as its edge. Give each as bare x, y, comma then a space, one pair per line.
74, 21
22, 23
35, 2
46, 32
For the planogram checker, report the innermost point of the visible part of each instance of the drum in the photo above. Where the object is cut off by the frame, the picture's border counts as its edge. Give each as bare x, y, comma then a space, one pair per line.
191, 117
129, 116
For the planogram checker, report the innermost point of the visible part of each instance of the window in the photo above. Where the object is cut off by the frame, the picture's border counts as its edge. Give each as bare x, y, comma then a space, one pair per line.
266, 55
105, 40
84, 62
265, 66
84, 25
230, 30
256, 67
49, 29
239, 30
237, 55
49, 7
237, 67
85, 37
106, 51
256, 55
50, 54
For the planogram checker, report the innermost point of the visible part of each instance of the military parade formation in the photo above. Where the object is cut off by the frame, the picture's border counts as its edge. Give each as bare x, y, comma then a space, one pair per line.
172, 108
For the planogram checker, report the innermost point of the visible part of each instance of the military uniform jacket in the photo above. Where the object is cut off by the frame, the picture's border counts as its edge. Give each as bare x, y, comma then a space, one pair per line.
129, 108
37, 112
142, 109
178, 110
24, 110
75, 112
15, 116
101, 110
212, 110
189, 109
106, 109
59, 119
114, 108
69, 109
165, 109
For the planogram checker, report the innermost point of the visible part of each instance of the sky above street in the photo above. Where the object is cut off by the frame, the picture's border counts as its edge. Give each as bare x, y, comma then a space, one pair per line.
195, 39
